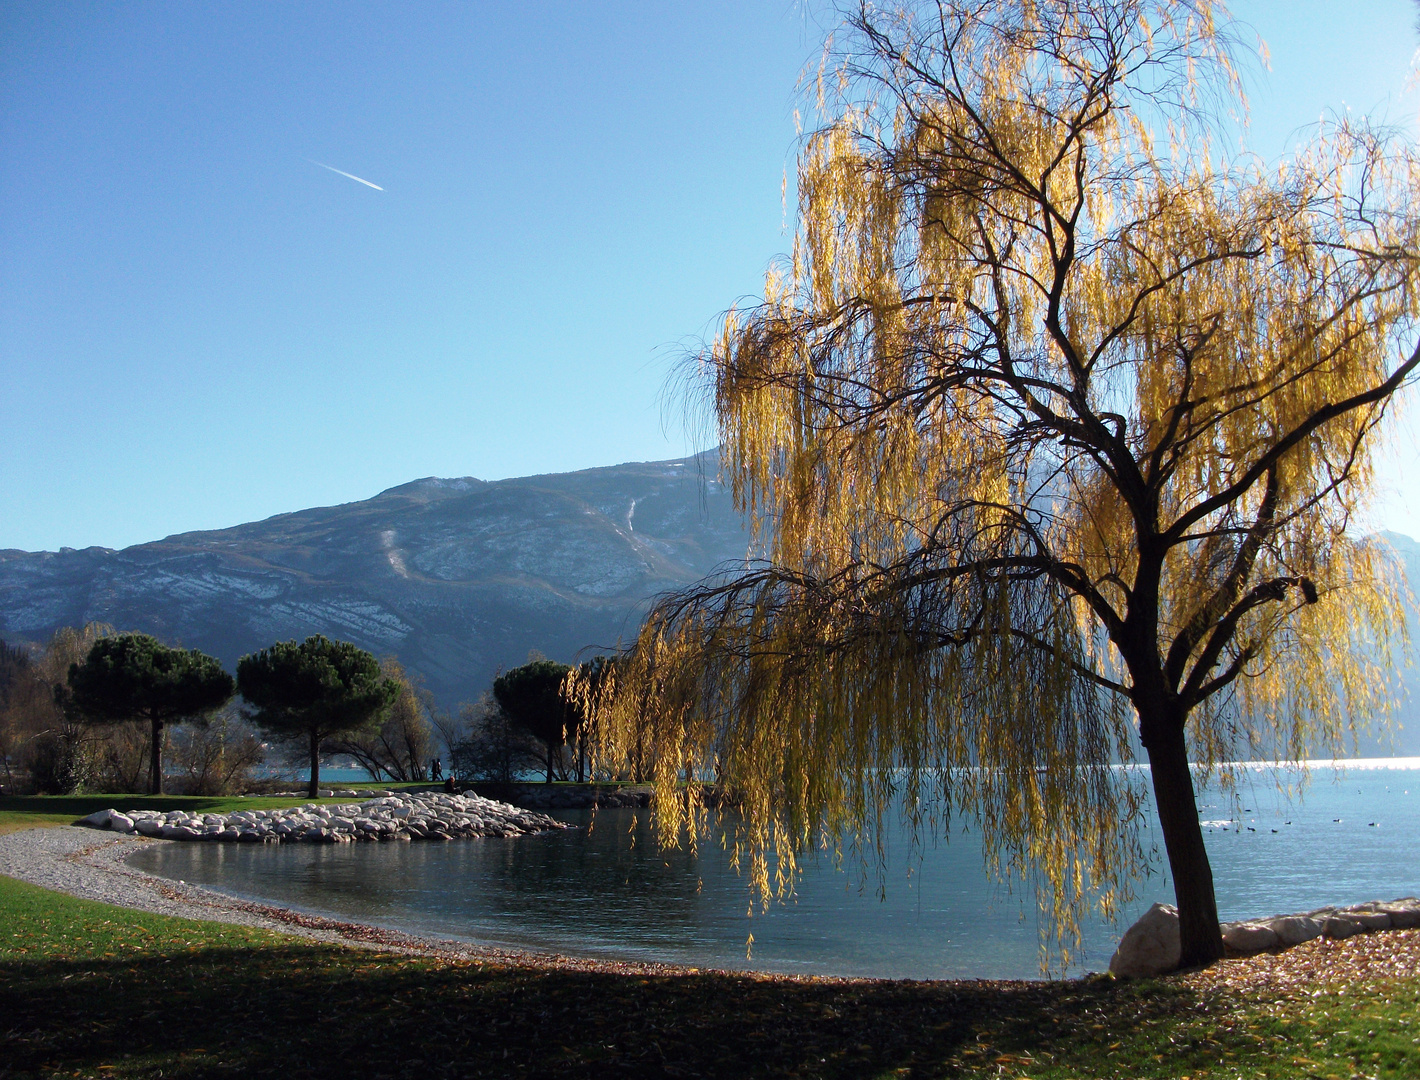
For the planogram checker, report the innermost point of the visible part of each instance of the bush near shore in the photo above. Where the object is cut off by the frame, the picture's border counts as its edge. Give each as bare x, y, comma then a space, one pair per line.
91, 990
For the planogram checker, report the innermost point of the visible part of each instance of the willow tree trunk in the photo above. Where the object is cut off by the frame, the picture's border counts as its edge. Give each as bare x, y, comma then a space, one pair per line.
155, 758
1202, 940
315, 765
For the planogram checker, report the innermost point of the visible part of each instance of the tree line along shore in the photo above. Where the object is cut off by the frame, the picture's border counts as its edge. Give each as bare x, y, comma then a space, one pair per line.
93, 709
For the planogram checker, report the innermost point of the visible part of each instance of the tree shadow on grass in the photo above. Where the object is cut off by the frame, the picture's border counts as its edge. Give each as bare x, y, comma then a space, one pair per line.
303, 1011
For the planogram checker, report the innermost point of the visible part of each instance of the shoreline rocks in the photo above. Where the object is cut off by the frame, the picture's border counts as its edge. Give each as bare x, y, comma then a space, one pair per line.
1151, 946
409, 816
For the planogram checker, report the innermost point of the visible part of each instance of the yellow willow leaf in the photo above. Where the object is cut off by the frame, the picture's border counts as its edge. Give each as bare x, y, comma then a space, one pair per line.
1052, 442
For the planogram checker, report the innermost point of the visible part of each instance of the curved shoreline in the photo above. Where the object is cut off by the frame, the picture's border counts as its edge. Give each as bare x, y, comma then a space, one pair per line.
92, 865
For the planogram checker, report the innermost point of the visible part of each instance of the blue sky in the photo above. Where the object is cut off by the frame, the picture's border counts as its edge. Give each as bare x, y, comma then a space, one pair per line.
199, 327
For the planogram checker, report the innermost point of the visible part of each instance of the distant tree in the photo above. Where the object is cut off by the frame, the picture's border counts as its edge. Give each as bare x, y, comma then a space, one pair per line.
594, 687
17, 678
485, 743
314, 690
137, 677
532, 697
403, 744
60, 754
583, 688
217, 758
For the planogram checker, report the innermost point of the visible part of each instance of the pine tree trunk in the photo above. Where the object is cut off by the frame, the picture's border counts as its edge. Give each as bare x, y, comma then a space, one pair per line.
315, 765
1202, 939
155, 759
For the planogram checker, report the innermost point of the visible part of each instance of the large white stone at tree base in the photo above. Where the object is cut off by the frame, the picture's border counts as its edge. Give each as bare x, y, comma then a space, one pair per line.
1152, 946
1249, 937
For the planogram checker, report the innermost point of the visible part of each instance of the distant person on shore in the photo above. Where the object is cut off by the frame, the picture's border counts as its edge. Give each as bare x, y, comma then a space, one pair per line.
436, 769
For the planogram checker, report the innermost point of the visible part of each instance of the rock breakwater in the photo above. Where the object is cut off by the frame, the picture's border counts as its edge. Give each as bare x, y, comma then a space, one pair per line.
1152, 946
411, 816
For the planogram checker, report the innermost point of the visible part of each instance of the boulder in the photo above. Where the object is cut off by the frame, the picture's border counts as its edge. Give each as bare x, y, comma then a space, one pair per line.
1249, 937
120, 822
1339, 926
1366, 920
97, 820
1295, 929
1152, 946
1404, 913
150, 827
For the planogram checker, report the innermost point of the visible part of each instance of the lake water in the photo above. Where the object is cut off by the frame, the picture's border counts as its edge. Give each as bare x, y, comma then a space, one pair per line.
610, 892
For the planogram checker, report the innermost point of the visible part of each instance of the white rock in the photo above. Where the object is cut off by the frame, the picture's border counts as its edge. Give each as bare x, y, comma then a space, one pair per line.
97, 820
1150, 947
1295, 929
150, 826
1248, 937
118, 822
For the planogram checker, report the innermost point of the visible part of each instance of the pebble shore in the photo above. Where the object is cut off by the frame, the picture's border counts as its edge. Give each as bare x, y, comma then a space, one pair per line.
91, 865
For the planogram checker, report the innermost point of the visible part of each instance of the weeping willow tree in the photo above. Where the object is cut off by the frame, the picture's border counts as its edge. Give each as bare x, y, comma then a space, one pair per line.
1052, 427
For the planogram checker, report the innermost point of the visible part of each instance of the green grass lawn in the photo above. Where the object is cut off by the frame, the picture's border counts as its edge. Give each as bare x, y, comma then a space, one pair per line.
91, 990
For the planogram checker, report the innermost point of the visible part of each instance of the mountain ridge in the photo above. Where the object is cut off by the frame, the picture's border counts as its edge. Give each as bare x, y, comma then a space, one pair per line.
456, 576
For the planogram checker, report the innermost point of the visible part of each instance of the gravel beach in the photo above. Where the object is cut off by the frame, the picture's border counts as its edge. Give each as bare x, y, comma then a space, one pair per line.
91, 864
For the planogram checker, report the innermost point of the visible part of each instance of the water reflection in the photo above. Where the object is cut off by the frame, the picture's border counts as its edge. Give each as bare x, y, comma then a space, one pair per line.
611, 892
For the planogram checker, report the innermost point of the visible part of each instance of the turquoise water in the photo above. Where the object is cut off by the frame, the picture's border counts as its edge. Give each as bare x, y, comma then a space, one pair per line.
610, 892
328, 774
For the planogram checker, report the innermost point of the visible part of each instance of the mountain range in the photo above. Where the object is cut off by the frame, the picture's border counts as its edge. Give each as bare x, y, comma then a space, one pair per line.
458, 578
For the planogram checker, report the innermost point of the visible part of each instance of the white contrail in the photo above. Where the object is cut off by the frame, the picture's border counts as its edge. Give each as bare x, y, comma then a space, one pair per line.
342, 172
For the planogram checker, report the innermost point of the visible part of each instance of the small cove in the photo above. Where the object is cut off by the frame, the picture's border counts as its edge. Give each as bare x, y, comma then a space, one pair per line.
610, 892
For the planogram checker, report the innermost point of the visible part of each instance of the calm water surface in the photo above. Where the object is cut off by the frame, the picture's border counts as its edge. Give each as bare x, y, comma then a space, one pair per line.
609, 892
